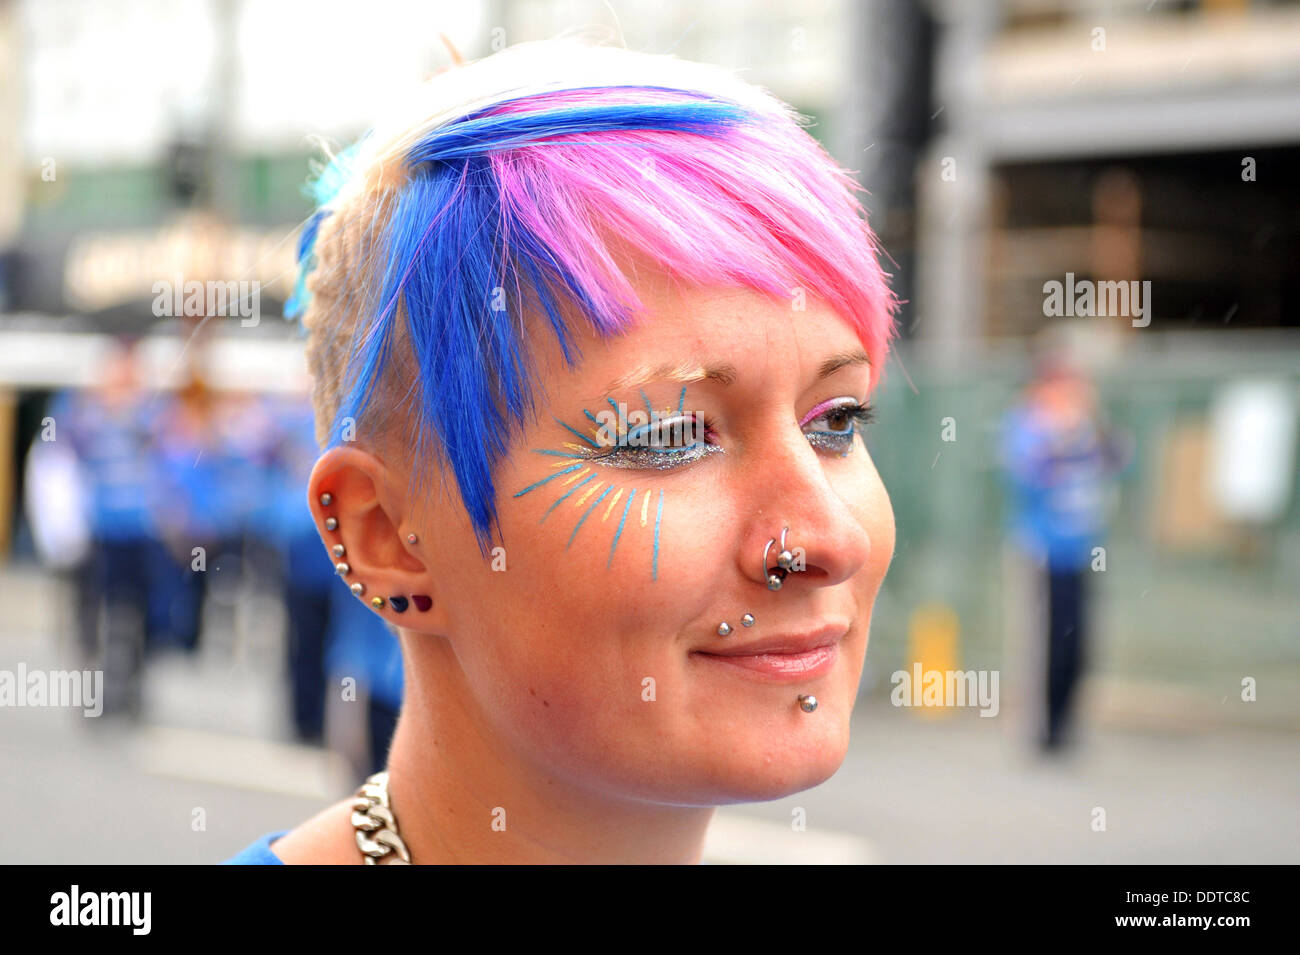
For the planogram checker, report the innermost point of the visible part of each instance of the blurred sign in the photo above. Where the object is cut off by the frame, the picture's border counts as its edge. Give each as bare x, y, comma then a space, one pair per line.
1252, 449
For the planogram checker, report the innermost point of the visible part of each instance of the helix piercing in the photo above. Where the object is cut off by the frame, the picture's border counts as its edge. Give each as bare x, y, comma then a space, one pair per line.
357, 589
342, 569
331, 524
338, 550
807, 703
326, 499
724, 629
747, 620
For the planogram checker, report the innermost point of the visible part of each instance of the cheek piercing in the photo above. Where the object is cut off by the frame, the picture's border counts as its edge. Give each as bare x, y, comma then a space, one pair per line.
807, 703
724, 629
747, 620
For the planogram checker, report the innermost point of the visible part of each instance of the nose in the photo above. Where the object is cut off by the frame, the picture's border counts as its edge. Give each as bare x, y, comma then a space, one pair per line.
792, 491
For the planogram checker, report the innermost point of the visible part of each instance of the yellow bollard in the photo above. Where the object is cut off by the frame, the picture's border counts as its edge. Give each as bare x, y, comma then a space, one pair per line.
933, 636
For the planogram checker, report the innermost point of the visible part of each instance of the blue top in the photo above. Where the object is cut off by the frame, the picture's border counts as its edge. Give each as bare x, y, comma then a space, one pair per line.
259, 853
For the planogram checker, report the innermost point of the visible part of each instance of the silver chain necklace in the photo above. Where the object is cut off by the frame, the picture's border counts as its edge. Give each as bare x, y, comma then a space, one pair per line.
372, 817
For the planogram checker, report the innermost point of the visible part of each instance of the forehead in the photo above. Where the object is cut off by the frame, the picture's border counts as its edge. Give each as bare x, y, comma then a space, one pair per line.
762, 337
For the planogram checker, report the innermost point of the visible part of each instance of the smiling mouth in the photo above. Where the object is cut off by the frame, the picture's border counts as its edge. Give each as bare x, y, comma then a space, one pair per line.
778, 667
780, 660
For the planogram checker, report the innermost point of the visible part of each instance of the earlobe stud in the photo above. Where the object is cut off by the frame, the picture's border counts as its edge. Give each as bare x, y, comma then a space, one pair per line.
422, 602
398, 604
377, 602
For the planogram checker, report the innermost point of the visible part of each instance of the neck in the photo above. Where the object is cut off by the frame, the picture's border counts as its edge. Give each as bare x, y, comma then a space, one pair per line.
462, 796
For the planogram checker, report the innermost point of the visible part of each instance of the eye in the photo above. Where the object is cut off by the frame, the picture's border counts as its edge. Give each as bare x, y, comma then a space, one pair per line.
832, 425
662, 444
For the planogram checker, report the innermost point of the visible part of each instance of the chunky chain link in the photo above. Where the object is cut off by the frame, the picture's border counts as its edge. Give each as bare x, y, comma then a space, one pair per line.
372, 816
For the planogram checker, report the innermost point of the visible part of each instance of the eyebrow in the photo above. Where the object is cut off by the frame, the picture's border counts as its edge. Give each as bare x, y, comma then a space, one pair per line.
720, 372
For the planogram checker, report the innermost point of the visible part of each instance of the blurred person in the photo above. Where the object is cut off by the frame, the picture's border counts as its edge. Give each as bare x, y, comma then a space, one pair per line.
306, 574
609, 625
110, 432
1059, 457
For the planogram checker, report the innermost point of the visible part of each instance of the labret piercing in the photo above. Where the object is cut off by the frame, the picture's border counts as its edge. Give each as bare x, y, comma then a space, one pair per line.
807, 702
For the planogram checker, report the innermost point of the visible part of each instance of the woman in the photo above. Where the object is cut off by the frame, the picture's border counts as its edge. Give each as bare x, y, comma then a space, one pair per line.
593, 334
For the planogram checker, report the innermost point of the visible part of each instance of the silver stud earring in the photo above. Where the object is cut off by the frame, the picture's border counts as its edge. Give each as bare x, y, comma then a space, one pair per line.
747, 620
338, 550
331, 524
357, 589
411, 538
342, 569
807, 703
724, 629
326, 499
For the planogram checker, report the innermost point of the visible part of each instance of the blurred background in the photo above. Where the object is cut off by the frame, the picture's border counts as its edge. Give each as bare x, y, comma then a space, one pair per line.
1099, 508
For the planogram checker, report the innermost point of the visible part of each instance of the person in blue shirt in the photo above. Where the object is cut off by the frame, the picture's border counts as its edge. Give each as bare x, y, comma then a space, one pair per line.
1059, 459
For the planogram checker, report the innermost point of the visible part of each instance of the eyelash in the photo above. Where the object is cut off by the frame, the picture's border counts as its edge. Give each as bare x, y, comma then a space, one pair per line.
640, 457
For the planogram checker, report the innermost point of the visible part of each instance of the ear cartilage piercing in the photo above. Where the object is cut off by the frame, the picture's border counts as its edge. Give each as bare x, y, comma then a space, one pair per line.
331, 524
342, 569
807, 703
338, 550
422, 603
411, 538
326, 499
747, 620
377, 602
399, 604
724, 629
357, 589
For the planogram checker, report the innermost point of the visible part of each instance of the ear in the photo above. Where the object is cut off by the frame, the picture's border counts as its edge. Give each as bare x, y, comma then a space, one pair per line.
365, 522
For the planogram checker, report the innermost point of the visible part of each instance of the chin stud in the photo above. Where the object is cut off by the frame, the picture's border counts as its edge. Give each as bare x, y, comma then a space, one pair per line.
807, 703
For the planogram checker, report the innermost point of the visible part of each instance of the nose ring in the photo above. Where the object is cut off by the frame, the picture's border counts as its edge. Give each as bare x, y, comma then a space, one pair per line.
784, 562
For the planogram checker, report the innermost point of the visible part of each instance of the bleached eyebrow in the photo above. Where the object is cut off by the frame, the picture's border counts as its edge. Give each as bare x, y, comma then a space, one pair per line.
720, 372
681, 372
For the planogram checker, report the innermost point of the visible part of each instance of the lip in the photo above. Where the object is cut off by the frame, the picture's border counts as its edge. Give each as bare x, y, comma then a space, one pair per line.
781, 658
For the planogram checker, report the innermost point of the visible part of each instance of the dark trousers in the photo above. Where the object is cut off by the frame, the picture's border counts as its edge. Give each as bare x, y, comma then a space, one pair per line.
1067, 638
308, 610
382, 720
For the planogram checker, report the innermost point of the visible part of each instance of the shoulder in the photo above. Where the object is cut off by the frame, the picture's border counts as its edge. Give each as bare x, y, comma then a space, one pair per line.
325, 839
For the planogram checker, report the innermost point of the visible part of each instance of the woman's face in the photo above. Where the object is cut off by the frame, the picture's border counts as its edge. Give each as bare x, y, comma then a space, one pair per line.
590, 643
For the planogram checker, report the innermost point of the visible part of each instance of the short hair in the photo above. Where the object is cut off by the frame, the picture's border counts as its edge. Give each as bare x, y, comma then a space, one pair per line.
508, 190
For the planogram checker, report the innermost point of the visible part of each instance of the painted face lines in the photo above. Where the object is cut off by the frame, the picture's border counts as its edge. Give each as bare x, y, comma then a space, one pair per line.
628, 440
